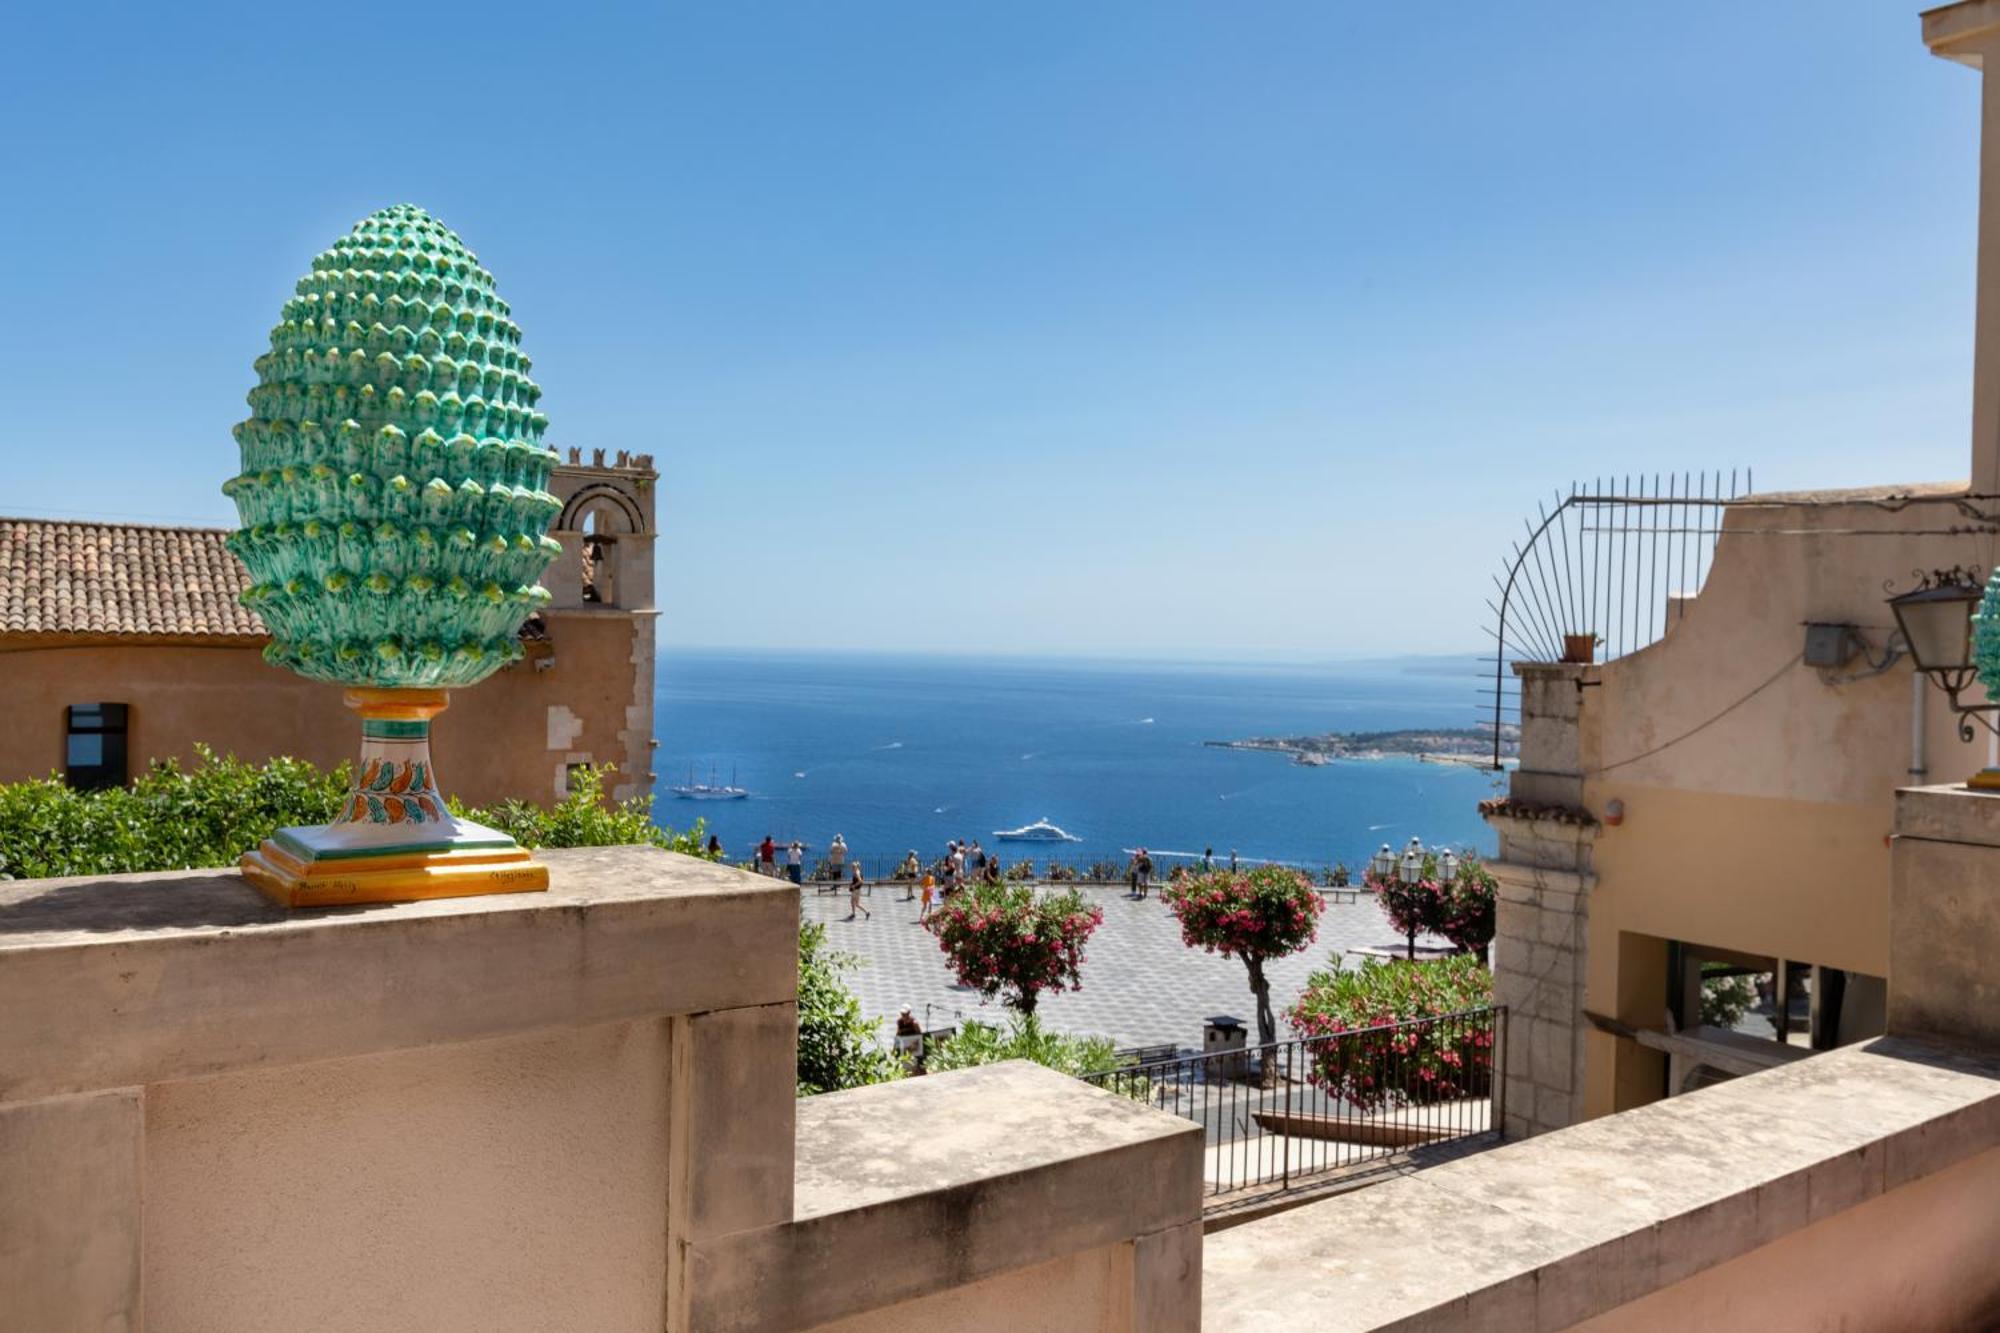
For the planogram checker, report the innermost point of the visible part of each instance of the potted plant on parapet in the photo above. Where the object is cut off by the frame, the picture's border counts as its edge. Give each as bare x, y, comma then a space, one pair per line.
1255, 915
1580, 649
394, 502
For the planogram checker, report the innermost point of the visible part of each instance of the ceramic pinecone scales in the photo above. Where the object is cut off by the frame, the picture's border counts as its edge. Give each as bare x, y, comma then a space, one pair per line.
393, 491
1986, 637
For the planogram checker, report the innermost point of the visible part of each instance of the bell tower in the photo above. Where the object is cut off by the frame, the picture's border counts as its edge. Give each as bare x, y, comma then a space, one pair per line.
601, 613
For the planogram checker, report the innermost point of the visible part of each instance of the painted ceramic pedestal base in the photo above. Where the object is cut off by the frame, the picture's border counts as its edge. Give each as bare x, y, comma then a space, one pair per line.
1986, 779
394, 840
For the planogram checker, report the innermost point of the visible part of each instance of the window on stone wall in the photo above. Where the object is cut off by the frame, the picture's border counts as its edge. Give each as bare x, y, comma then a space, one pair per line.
94, 745
1725, 994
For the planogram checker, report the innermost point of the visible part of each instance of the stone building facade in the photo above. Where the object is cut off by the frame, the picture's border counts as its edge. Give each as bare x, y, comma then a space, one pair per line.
122, 644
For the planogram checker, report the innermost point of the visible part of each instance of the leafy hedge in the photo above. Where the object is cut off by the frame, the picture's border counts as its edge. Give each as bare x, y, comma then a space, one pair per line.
1023, 1038
209, 814
1384, 1057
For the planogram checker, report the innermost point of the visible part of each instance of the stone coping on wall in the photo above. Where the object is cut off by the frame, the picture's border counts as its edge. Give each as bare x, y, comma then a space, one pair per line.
1544, 1233
914, 1187
1950, 812
126, 980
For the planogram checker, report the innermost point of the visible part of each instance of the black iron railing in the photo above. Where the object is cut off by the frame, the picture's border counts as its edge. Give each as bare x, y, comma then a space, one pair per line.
1297, 1113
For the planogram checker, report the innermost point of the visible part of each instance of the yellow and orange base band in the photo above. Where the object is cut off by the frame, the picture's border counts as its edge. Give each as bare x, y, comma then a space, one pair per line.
394, 839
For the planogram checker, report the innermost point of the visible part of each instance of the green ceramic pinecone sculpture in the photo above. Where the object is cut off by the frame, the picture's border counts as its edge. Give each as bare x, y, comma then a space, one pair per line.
1986, 637
394, 492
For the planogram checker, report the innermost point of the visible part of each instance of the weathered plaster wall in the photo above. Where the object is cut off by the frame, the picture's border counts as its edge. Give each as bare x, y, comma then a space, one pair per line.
517, 1183
1078, 1293
1917, 1257
491, 744
70, 1173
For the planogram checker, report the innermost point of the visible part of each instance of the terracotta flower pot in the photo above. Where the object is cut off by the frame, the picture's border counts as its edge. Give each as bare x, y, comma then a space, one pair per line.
1580, 649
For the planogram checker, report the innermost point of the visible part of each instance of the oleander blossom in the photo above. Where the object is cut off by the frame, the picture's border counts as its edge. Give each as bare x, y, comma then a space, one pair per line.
1254, 915
1399, 1034
1008, 941
1461, 909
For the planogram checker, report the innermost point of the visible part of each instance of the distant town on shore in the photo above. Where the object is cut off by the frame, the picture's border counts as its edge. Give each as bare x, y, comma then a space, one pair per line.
1441, 745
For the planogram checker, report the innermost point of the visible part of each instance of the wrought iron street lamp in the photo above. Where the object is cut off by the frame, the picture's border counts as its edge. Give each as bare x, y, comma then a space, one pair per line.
1413, 862
1447, 866
1946, 626
1383, 864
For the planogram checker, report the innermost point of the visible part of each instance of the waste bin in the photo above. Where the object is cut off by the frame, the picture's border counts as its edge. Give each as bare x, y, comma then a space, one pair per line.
1220, 1035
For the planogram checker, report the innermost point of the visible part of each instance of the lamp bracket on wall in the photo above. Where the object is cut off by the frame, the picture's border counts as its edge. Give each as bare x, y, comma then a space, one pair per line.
1935, 618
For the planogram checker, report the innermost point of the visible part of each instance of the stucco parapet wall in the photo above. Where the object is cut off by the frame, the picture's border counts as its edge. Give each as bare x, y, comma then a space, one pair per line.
1949, 813
913, 1187
1546, 1232
135, 979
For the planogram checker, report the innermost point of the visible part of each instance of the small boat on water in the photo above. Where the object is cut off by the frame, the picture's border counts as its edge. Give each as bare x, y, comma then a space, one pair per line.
1039, 831
709, 790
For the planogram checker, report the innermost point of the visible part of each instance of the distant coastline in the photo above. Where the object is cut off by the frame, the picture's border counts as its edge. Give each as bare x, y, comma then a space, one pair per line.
1470, 746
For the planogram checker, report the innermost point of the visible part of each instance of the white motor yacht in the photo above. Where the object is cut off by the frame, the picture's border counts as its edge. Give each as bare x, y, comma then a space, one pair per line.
1039, 831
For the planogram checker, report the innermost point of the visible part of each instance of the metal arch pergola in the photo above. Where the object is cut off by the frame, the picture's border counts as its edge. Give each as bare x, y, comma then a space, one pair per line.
1605, 561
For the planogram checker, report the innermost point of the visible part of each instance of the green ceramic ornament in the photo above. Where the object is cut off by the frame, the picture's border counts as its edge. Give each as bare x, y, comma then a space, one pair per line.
1986, 637
394, 494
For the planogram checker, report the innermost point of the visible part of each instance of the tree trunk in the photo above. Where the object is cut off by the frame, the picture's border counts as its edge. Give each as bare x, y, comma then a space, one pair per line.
1411, 940
1267, 1022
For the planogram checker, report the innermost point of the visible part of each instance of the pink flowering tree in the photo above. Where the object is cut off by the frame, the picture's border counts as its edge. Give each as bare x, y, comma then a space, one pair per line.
1006, 940
1255, 915
1412, 908
1466, 917
1459, 908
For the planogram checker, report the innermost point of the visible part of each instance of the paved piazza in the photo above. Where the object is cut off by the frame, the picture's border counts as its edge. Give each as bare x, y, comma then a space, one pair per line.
1141, 985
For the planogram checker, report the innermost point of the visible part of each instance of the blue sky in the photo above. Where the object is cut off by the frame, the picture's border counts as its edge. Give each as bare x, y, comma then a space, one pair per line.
1194, 330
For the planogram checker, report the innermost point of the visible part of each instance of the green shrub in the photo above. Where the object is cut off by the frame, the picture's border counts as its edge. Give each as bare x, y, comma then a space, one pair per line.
1023, 1038
172, 818
168, 819
837, 1045
584, 819
1725, 996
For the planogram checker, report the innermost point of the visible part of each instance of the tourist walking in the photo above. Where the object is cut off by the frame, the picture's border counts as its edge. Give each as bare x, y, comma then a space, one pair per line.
854, 896
795, 856
767, 856
1232, 860
910, 872
1207, 859
930, 888
836, 856
1145, 873
1132, 876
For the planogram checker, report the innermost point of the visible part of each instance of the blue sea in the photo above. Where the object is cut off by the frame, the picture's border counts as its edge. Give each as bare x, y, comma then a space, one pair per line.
902, 752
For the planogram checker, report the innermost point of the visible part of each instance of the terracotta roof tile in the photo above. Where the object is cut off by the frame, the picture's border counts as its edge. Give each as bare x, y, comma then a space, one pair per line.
62, 577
